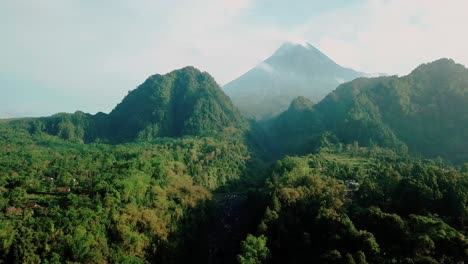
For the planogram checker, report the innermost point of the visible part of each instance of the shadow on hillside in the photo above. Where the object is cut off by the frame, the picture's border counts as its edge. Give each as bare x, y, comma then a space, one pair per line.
212, 231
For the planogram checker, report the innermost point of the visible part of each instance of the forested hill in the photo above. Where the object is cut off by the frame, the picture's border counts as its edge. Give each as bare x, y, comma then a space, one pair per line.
183, 102
425, 111
183, 182
180, 103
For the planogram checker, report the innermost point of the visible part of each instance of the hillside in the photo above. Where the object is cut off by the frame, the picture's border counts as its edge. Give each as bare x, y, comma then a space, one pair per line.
178, 183
293, 70
180, 103
183, 102
141, 190
425, 111
362, 206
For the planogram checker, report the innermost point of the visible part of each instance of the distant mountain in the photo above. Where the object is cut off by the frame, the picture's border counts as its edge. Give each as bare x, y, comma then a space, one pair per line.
182, 102
293, 70
425, 111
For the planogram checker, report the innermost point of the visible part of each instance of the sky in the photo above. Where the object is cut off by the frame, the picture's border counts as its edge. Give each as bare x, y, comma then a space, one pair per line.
68, 55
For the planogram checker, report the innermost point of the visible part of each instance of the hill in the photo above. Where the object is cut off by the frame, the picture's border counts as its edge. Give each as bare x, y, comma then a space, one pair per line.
183, 180
181, 103
424, 111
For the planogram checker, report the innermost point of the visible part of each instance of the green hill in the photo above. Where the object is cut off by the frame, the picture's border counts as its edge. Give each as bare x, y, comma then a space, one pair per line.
180, 103
425, 111
185, 178
183, 102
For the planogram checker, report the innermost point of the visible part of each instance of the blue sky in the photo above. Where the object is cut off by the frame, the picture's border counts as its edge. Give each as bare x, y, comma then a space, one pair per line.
68, 55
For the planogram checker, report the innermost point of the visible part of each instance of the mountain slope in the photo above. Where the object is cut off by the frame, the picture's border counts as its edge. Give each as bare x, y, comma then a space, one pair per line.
182, 102
425, 110
293, 70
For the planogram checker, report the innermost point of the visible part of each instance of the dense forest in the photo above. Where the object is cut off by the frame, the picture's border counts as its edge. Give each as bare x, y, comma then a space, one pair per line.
64, 201
424, 112
376, 172
360, 205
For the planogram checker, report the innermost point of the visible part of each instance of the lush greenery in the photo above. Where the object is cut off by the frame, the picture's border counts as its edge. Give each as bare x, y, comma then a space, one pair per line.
254, 250
180, 103
175, 175
125, 203
365, 206
183, 102
425, 112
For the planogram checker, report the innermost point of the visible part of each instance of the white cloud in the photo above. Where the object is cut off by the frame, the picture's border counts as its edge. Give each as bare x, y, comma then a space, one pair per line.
392, 36
265, 67
91, 53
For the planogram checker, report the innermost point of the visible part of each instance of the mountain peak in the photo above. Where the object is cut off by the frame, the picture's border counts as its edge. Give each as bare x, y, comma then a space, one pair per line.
300, 56
182, 102
294, 69
434, 65
290, 47
440, 70
191, 70
300, 103
294, 44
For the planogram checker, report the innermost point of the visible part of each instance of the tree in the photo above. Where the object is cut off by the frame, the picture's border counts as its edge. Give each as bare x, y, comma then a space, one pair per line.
254, 250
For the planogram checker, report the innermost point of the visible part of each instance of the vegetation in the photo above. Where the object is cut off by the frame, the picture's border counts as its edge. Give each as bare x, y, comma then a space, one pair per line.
63, 201
423, 112
365, 206
174, 175
254, 250
180, 103
183, 102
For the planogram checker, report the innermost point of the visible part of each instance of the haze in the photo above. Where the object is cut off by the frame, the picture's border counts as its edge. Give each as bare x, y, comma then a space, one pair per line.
83, 55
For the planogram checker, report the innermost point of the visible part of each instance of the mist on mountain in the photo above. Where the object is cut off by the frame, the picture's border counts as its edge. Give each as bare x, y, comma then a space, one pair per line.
293, 70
